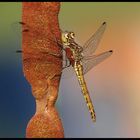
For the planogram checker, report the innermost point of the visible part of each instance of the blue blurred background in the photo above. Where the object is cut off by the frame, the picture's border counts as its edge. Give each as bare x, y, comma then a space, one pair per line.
113, 85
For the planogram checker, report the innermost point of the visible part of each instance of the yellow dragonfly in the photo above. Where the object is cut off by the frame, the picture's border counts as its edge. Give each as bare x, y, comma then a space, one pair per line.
82, 59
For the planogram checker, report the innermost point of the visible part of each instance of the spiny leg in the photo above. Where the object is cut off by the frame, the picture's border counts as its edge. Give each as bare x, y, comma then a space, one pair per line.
67, 65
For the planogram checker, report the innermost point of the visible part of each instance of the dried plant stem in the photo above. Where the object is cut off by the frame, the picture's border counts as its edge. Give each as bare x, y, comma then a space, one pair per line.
40, 67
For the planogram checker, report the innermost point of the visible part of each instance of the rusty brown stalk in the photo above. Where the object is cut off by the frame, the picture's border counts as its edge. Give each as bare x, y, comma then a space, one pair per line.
42, 17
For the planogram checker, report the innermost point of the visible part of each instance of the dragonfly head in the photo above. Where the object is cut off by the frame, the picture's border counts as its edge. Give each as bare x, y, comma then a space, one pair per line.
68, 38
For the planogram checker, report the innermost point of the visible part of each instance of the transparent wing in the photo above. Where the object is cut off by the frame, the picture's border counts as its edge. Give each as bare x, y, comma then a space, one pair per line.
88, 63
91, 45
19, 27
91, 61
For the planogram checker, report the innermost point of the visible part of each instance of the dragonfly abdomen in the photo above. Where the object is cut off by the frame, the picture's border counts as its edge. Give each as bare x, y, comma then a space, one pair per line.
79, 72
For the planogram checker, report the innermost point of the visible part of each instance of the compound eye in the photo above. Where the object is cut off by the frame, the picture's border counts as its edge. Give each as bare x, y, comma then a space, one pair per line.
72, 34
66, 35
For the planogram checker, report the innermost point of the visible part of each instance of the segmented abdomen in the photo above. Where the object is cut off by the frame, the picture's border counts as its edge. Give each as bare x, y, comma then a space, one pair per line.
79, 72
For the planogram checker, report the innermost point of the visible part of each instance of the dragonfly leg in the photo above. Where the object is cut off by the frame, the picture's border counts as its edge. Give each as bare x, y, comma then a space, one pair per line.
53, 76
59, 43
67, 65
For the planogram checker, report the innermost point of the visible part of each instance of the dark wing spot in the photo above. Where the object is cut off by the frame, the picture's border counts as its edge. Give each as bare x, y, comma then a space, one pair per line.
104, 23
22, 23
25, 30
19, 51
111, 51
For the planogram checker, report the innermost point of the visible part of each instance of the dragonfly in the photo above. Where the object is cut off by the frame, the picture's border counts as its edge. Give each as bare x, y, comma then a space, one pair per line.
80, 58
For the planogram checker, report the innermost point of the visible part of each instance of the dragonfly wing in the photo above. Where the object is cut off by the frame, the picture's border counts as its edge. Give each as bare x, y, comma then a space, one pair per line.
19, 27
88, 63
16, 28
91, 45
92, 61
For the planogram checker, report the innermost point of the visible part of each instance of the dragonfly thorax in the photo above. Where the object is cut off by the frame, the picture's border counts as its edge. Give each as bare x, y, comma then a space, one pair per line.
69, 43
